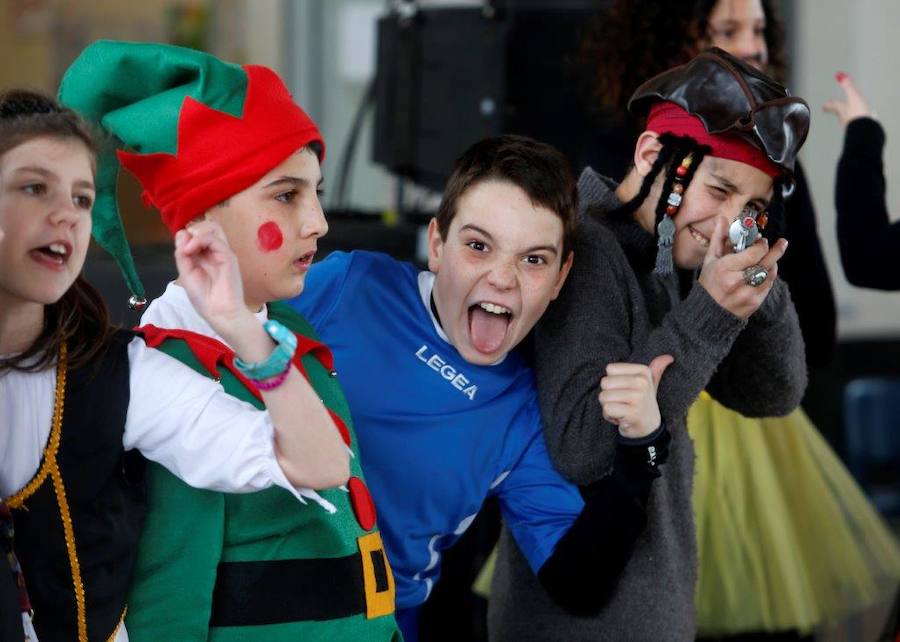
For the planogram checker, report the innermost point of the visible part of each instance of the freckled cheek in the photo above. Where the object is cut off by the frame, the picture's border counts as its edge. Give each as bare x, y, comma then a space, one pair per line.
269, 237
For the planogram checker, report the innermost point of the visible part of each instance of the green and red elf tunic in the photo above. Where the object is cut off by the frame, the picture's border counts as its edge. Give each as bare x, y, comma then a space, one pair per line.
260, 566
214, 566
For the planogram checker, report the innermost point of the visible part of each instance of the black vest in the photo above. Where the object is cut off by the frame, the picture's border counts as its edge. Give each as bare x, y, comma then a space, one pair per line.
10, 616
104, 494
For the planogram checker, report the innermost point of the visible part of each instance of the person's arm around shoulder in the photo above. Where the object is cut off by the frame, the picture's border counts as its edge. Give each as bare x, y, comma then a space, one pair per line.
307, 443
595, 322
588, 560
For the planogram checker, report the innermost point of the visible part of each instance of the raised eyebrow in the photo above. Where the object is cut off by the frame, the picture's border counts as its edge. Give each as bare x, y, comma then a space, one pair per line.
542, 248
474, 228
531, 250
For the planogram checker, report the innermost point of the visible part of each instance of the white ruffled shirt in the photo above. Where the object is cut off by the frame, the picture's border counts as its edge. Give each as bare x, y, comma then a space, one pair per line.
176, 417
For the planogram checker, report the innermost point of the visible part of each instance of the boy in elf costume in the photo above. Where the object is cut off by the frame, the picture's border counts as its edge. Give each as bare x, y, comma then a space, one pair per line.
229, 159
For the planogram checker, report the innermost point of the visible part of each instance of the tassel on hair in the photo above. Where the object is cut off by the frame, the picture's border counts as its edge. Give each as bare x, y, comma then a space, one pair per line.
673, 188
665, 232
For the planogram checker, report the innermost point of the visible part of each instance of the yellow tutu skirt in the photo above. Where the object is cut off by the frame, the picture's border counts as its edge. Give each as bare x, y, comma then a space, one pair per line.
482, 584
786, 538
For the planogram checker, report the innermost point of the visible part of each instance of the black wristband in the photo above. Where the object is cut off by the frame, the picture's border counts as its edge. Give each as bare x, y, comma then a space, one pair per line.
585, 566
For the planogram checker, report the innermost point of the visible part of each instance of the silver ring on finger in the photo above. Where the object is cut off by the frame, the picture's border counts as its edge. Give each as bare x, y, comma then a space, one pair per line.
755, 275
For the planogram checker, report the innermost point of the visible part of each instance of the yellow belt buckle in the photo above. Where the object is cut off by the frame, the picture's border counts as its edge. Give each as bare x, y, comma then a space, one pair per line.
377, 577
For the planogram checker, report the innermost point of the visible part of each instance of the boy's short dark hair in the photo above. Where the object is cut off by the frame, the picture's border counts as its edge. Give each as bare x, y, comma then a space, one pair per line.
540, 170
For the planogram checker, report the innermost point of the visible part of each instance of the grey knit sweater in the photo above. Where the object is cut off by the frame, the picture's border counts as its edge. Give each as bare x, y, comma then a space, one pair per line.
614, 308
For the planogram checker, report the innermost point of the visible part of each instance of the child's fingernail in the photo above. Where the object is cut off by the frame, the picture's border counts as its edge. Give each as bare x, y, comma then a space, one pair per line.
840, 76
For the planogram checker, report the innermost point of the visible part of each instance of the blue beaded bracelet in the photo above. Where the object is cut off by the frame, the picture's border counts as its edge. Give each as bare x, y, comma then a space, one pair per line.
280, 358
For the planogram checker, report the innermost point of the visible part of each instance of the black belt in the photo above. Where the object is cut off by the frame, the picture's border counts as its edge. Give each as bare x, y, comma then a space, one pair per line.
294, 590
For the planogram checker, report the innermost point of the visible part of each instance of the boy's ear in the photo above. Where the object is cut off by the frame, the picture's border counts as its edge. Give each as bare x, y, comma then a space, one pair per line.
563, 273
435, 246
646, 151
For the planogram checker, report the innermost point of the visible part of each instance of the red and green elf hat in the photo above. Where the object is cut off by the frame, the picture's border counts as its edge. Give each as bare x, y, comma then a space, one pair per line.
198, 131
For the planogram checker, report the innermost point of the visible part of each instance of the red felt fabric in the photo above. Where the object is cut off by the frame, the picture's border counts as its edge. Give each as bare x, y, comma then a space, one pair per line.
219, 155
667, 117
363, 505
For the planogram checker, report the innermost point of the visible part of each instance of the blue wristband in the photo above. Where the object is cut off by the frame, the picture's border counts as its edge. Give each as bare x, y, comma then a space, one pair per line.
280, 358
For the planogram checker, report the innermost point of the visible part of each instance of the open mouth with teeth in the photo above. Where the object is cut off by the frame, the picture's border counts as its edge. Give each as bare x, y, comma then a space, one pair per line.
54, 255
697, 236
305, 261
488, 325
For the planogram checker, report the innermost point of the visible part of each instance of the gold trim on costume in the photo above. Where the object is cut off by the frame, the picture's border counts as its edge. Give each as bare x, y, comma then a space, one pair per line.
60, 490
378, 603
115, 632
50, 468
55, 432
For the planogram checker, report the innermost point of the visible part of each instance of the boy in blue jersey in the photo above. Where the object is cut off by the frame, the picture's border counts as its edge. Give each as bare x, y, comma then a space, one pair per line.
446, 412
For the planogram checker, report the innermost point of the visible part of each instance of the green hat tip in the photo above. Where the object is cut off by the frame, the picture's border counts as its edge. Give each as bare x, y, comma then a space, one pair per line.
108, 230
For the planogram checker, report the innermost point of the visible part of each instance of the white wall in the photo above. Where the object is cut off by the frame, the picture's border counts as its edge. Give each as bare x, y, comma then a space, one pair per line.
264, 33
331, 50
860, 38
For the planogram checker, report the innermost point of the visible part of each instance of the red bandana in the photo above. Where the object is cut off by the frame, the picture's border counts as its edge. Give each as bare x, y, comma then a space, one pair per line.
667, 117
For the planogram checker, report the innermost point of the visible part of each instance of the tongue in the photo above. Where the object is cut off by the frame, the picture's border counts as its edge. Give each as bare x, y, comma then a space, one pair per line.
52, 256
487, 330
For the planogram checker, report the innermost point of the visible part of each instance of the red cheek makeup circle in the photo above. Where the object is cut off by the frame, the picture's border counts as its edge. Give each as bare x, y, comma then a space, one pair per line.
269, 236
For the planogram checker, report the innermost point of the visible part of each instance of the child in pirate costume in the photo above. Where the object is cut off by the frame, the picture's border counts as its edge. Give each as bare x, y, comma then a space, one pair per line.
229, 160
776, 463
668, 264
81, 402
446, 408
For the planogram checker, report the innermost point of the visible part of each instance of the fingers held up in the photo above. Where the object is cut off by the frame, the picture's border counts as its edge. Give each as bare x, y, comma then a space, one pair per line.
852, 106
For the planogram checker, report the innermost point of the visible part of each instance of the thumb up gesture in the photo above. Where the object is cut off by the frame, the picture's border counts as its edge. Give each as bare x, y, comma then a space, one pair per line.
628, 396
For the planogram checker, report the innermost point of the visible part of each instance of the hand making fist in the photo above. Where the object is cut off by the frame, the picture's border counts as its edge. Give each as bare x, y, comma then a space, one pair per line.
628, 396
208, 270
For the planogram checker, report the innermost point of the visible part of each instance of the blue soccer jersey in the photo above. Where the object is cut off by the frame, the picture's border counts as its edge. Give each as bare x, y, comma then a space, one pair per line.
437, 435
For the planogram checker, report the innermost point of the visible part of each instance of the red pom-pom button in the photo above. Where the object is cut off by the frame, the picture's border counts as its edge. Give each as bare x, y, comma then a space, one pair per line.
363, 506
